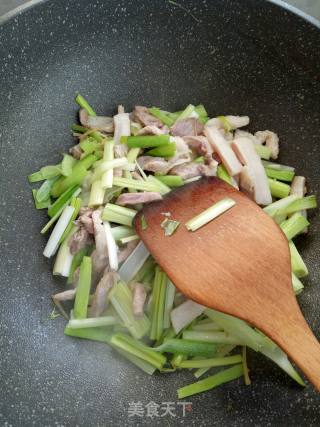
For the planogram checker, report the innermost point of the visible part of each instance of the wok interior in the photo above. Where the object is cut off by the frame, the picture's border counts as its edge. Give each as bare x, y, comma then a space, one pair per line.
235, 57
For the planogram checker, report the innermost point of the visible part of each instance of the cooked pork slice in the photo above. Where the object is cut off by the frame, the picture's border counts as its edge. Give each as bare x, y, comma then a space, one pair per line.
271, 140
139, 299
99, 301
79, 240
102, 123
68, 295
200, 145
85, 219
100, 255
145, 118
187, 127
135, 198
76, 151
153, 130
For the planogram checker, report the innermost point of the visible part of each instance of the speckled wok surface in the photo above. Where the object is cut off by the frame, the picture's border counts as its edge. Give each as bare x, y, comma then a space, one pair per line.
238, 57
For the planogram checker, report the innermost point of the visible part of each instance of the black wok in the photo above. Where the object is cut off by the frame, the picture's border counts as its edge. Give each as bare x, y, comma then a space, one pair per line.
238, 57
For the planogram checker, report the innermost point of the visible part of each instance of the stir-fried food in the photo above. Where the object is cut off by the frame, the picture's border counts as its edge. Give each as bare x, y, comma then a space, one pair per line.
116, 293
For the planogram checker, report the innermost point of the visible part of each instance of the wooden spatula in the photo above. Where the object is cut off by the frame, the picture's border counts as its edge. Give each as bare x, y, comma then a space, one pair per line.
239, 263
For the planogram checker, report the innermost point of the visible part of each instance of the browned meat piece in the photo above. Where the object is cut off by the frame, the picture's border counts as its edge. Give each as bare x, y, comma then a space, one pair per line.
68, 295
162, 166
190, 170
200, 145
102, 123
154, 164
139, 299
210, 169
153, 130
76, 151
126, 251
79, 240
182, 149
135, 198
83, 117
85, 219
100, 254
145, 118
99, 301
186, 170
187, 127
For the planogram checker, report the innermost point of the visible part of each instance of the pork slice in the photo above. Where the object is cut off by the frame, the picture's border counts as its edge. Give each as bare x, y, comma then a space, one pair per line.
182, 148
200, 145
80, 239
271, 140
68, 295
83, 117
76, 151
244, 148
85, 219
100, 254
237, 121
162, 166
187, 170
209, 169
191, 170
153, 164
136, 198
187, 127
102, 123
145, 118
99, 301
239, 133
232, 122
223, 148
153, 130
139, 299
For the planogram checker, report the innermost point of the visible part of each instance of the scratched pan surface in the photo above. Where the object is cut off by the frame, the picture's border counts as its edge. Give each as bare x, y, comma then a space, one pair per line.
239, 57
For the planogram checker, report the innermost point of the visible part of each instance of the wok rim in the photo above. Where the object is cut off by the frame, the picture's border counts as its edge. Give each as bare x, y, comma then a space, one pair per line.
281, 3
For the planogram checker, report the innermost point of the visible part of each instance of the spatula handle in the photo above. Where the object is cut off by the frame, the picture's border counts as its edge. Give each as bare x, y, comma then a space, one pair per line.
298, 341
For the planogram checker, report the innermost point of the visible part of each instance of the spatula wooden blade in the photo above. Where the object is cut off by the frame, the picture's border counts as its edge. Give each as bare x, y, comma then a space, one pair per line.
239, 263
235, 261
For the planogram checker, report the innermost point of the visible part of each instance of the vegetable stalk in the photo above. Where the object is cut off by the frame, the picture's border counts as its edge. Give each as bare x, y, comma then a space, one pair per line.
83, 289
211, 382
